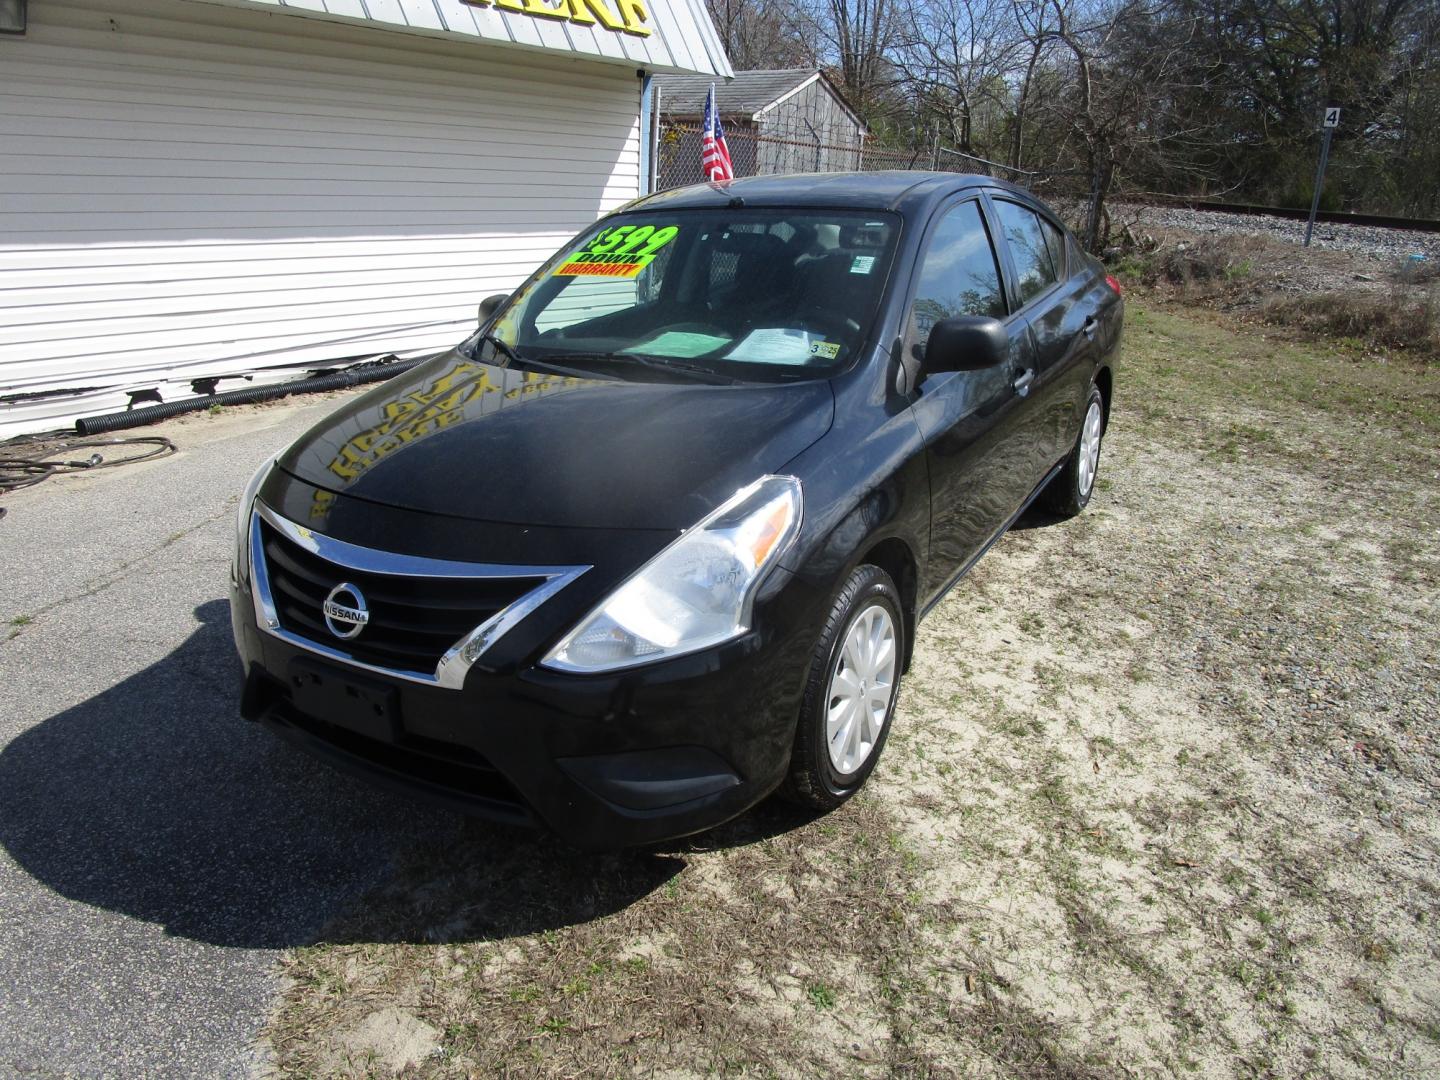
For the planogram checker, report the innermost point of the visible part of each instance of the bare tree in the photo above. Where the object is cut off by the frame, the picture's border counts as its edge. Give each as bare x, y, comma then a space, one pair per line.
1179, 96
958, 59
1108, 74
859, 40
1033, 32
761, 33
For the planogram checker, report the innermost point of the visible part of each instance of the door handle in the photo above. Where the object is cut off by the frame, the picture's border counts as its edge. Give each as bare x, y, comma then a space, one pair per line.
1023, 380
1091, 325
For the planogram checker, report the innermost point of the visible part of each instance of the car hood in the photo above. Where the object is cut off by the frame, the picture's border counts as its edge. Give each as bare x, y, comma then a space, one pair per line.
462, 438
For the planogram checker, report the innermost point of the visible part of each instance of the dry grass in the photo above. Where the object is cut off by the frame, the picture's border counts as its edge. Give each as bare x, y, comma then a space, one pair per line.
1159, 800
1284, 285
777, 945
1418, 272
1211, 266
1384, 321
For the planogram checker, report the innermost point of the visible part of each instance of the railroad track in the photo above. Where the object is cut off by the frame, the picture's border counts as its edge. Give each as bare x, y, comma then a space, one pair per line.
1336, 217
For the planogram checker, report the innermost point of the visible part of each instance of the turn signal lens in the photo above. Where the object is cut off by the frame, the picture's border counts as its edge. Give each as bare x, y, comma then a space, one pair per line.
696, 593
770, 529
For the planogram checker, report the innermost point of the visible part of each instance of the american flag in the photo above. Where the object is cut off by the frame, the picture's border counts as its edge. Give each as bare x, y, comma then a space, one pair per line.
714, 154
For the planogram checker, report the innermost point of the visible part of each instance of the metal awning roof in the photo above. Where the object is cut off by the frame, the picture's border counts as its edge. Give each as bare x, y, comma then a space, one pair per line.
658, 35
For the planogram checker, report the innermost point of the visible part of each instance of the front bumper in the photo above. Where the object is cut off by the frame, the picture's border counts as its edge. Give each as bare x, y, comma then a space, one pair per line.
605, 761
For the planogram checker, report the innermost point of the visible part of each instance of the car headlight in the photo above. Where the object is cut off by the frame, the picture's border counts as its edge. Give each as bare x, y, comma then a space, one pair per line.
696, 593
240, 568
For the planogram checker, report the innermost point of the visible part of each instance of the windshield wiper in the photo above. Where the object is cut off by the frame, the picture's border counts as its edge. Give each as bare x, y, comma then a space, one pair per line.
517, 362
500, 346
699, 371
559, 369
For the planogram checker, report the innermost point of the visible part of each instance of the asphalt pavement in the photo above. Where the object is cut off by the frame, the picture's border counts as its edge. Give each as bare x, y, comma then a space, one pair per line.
156, 851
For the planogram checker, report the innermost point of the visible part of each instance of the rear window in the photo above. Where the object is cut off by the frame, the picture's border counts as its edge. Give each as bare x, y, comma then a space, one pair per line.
1055, 242
1025, 237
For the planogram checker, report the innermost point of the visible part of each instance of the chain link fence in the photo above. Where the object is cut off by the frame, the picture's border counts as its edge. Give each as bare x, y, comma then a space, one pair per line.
677, 157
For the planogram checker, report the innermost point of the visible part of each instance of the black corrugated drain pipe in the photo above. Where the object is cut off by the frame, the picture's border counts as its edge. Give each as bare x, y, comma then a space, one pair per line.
340, 380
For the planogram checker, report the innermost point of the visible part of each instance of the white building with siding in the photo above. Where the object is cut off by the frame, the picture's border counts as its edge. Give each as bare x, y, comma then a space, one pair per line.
193, 190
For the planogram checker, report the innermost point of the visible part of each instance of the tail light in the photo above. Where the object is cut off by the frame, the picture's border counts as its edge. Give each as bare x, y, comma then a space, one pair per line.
1110, 280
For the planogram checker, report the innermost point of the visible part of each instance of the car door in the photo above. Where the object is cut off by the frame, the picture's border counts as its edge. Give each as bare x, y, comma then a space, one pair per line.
1061, 319
973, 422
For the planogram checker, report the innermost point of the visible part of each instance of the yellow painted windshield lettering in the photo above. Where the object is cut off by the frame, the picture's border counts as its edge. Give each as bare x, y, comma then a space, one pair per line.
609, 239
635, 239
659, 239
623, 251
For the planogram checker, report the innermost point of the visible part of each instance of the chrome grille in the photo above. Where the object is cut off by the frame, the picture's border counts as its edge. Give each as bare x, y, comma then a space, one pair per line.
430, 619
413, 621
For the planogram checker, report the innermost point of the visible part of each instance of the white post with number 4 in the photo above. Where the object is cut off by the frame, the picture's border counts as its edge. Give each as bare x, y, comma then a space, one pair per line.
1329, 121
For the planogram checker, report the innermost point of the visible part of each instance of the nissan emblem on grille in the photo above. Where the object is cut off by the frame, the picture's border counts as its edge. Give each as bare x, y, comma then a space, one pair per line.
346, 619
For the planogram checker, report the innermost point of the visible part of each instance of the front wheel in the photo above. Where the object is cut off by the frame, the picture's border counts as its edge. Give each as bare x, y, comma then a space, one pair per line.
1070, 491
850, 696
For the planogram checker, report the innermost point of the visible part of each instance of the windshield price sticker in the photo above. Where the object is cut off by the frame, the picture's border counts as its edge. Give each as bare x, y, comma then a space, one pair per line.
621, 252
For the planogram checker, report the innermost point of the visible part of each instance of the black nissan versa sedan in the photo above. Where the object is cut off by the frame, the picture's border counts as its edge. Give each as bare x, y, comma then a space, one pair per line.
656, 540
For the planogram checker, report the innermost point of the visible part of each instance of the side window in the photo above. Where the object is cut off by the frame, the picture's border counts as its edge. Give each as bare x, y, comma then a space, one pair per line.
1028, 248
958, 276
1055, 241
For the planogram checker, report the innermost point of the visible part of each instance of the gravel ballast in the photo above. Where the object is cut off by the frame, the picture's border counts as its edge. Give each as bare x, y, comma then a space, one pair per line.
1390, 246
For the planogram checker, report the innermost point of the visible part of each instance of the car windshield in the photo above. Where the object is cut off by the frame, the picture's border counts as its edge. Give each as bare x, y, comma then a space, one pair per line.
725, 293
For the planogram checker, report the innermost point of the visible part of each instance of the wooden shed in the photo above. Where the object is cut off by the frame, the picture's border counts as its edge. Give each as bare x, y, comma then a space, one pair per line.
789, 120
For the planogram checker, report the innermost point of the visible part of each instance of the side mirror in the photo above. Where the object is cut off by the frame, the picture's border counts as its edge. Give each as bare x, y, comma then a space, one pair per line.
490, 305
967, 343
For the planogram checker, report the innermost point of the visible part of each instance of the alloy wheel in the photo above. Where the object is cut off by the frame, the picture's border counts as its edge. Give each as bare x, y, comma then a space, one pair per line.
862, 685
1089, 456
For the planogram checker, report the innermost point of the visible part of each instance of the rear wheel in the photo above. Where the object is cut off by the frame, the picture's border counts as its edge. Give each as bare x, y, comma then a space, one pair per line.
1072, 487
850, 696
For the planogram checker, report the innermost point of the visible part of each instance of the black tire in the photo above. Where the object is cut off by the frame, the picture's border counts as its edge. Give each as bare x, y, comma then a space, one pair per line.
1064, 495
813, 780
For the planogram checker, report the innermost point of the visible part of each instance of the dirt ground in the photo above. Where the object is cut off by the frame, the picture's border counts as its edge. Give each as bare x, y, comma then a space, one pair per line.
1160, 799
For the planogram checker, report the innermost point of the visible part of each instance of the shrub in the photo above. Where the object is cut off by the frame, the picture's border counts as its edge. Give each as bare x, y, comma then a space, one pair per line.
1212, 265
1376, 319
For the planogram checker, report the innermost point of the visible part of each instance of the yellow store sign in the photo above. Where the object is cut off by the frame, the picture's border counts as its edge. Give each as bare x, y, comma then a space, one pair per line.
625, 16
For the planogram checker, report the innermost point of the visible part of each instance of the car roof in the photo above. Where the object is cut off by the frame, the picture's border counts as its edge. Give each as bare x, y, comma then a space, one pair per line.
903, 191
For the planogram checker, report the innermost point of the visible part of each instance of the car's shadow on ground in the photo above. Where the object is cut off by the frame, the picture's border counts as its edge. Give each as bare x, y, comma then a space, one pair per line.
155, 801
1036, 517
